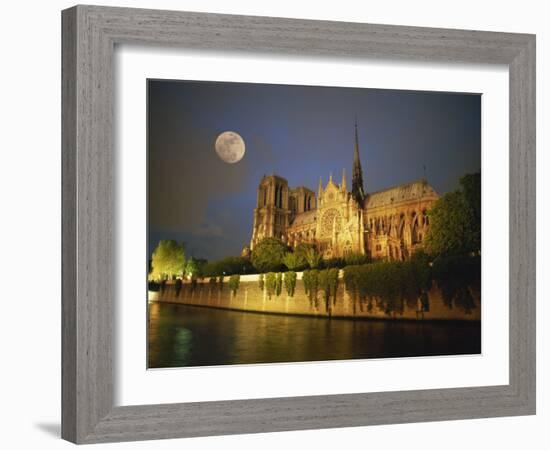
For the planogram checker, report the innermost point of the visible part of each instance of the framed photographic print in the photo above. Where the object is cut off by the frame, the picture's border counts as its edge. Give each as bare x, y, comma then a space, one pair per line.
335, 219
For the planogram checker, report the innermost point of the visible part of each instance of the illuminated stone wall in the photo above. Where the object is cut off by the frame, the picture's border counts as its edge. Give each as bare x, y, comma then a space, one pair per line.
249, 297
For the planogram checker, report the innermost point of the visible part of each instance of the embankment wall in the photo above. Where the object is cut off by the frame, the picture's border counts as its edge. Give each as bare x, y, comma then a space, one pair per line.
249, 297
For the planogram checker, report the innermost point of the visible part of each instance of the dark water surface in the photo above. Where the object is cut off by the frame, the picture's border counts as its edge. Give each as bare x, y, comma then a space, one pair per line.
182, 335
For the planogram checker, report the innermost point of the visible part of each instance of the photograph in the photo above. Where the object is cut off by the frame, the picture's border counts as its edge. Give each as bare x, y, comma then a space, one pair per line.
292, 224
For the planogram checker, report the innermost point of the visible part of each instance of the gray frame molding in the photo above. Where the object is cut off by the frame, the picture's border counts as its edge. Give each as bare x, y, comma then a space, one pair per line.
89, 36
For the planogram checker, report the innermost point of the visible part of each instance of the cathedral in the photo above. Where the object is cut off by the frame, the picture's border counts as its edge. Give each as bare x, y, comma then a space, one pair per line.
389, 224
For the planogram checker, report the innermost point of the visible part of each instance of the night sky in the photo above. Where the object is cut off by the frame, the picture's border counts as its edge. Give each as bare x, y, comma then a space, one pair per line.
298, 132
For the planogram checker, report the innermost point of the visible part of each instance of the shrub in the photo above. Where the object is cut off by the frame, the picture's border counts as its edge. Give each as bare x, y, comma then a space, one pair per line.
270, 283
352, 259
300, 251
311, 285
313, 258
292, 261
334, 263
333, 283
279, 284
234, 281
261, 282
328, 284
212, 283
455, 276
389, 284
290, 283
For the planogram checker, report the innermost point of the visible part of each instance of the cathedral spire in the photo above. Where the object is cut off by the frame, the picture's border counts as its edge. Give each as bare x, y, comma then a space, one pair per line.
357, 189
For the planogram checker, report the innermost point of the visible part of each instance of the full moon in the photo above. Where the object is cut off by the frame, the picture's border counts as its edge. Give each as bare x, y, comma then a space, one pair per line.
230, 147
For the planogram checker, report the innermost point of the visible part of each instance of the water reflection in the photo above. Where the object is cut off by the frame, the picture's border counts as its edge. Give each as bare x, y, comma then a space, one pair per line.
192, 336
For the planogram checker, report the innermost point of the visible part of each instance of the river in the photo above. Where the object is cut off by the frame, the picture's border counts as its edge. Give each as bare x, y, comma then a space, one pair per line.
182, 335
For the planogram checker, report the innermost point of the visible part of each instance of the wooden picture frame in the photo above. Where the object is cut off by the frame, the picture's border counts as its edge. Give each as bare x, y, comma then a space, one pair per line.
90, 34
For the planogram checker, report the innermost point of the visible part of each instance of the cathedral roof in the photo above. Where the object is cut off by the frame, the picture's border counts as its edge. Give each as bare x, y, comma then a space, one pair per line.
304, 218
401, 193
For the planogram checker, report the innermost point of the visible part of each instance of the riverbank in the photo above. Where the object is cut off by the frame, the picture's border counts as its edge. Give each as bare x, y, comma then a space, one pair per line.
250, 297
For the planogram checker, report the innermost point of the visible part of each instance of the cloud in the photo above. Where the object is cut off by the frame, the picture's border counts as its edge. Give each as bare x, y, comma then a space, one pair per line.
208, 230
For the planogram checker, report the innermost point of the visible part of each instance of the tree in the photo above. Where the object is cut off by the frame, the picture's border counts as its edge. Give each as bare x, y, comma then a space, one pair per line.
268, 255
313, 258
471, 187
168, 260
191, 268
455, 220
291, 261
300, 251
228, 266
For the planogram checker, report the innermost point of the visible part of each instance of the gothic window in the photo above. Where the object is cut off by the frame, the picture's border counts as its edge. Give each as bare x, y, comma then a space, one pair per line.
414, 235
331, 221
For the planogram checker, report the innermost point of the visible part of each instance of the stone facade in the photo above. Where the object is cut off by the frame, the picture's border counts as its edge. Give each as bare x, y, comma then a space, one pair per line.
389, 224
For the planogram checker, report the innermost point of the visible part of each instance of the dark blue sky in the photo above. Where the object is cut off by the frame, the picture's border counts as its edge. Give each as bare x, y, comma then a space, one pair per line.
298, 132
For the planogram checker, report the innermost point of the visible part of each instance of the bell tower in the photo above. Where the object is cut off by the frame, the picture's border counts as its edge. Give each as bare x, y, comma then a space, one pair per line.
271, 215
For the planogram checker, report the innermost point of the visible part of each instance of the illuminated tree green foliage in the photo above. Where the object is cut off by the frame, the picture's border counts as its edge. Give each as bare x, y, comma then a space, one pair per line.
270, 284
455, 220
268, 255
278, 284
389, 285
168, 260
313, 258
328, 284
234, 281
191, 268
310, 279
292, 261
290, 282
352, 259
300, 251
